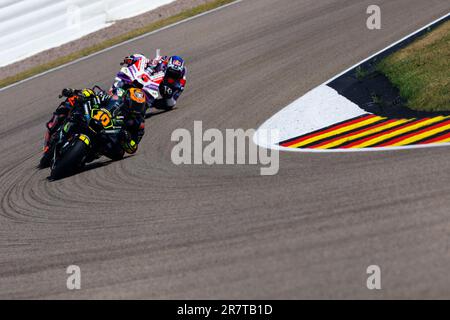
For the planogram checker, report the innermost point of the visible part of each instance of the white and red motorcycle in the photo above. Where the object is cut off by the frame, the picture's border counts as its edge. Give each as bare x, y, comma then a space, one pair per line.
157, 87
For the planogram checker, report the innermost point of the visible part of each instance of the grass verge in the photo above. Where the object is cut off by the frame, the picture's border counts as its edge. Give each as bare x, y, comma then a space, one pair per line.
421, 71
113, 41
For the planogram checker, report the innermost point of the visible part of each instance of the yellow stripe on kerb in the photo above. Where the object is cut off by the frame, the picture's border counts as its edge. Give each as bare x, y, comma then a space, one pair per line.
421, 136
363, 134
337, 131
442, 140
397, 132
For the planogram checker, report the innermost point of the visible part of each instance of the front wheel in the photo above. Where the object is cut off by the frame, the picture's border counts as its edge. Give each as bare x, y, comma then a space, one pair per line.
70, 160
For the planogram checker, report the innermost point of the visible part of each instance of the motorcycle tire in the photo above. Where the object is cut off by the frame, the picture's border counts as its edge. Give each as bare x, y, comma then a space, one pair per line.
70, 161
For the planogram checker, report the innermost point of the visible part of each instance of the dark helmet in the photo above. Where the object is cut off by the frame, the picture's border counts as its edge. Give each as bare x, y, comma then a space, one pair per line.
92, 98
175, 68
81, 97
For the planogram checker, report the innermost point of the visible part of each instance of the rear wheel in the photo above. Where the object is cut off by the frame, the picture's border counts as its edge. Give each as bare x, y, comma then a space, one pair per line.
70, 161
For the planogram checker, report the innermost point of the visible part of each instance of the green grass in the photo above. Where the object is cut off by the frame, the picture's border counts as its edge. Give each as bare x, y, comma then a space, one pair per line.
421, 71
110, 42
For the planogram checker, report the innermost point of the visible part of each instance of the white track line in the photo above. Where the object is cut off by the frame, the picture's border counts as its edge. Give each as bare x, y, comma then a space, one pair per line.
120, 44
389, 47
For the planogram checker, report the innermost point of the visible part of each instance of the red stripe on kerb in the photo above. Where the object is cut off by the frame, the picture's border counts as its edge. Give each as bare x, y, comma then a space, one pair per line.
383, 133
352, 134
436, 139
350, 122
440, 124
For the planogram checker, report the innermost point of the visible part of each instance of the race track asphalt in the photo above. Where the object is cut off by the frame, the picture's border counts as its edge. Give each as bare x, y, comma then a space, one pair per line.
145, 228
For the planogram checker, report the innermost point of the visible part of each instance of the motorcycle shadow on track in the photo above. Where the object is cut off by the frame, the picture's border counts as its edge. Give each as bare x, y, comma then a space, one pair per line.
157, 112
88, 167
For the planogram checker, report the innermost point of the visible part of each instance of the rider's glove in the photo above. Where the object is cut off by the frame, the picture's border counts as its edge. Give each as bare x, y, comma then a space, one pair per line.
130, 147
128, 144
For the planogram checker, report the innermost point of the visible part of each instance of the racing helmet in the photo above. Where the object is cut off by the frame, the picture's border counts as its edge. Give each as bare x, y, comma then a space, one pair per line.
90, 97
175, 68
134, 102
87, 93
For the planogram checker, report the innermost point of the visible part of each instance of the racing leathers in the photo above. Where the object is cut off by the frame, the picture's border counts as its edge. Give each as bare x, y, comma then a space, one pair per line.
174, 77
174, 80
75, 99
129, 105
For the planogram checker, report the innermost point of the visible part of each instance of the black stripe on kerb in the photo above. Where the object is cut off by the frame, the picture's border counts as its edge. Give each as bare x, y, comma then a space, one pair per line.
326, 128
366, 127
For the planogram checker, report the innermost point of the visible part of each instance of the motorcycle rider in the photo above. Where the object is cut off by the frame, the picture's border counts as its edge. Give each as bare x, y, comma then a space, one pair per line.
75, 100
131, 106
174, 80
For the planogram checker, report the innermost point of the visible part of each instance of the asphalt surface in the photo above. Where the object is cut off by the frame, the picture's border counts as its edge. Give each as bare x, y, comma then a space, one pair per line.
145, 228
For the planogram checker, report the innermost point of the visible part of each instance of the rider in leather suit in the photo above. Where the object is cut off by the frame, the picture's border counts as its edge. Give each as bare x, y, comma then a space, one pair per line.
174, 80
131, 135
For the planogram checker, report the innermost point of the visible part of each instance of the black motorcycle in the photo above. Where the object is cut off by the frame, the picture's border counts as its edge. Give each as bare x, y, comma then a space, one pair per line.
90, 132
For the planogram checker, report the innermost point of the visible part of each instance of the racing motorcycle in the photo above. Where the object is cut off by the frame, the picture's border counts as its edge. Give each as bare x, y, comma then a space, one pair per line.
89, 133
158, 88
